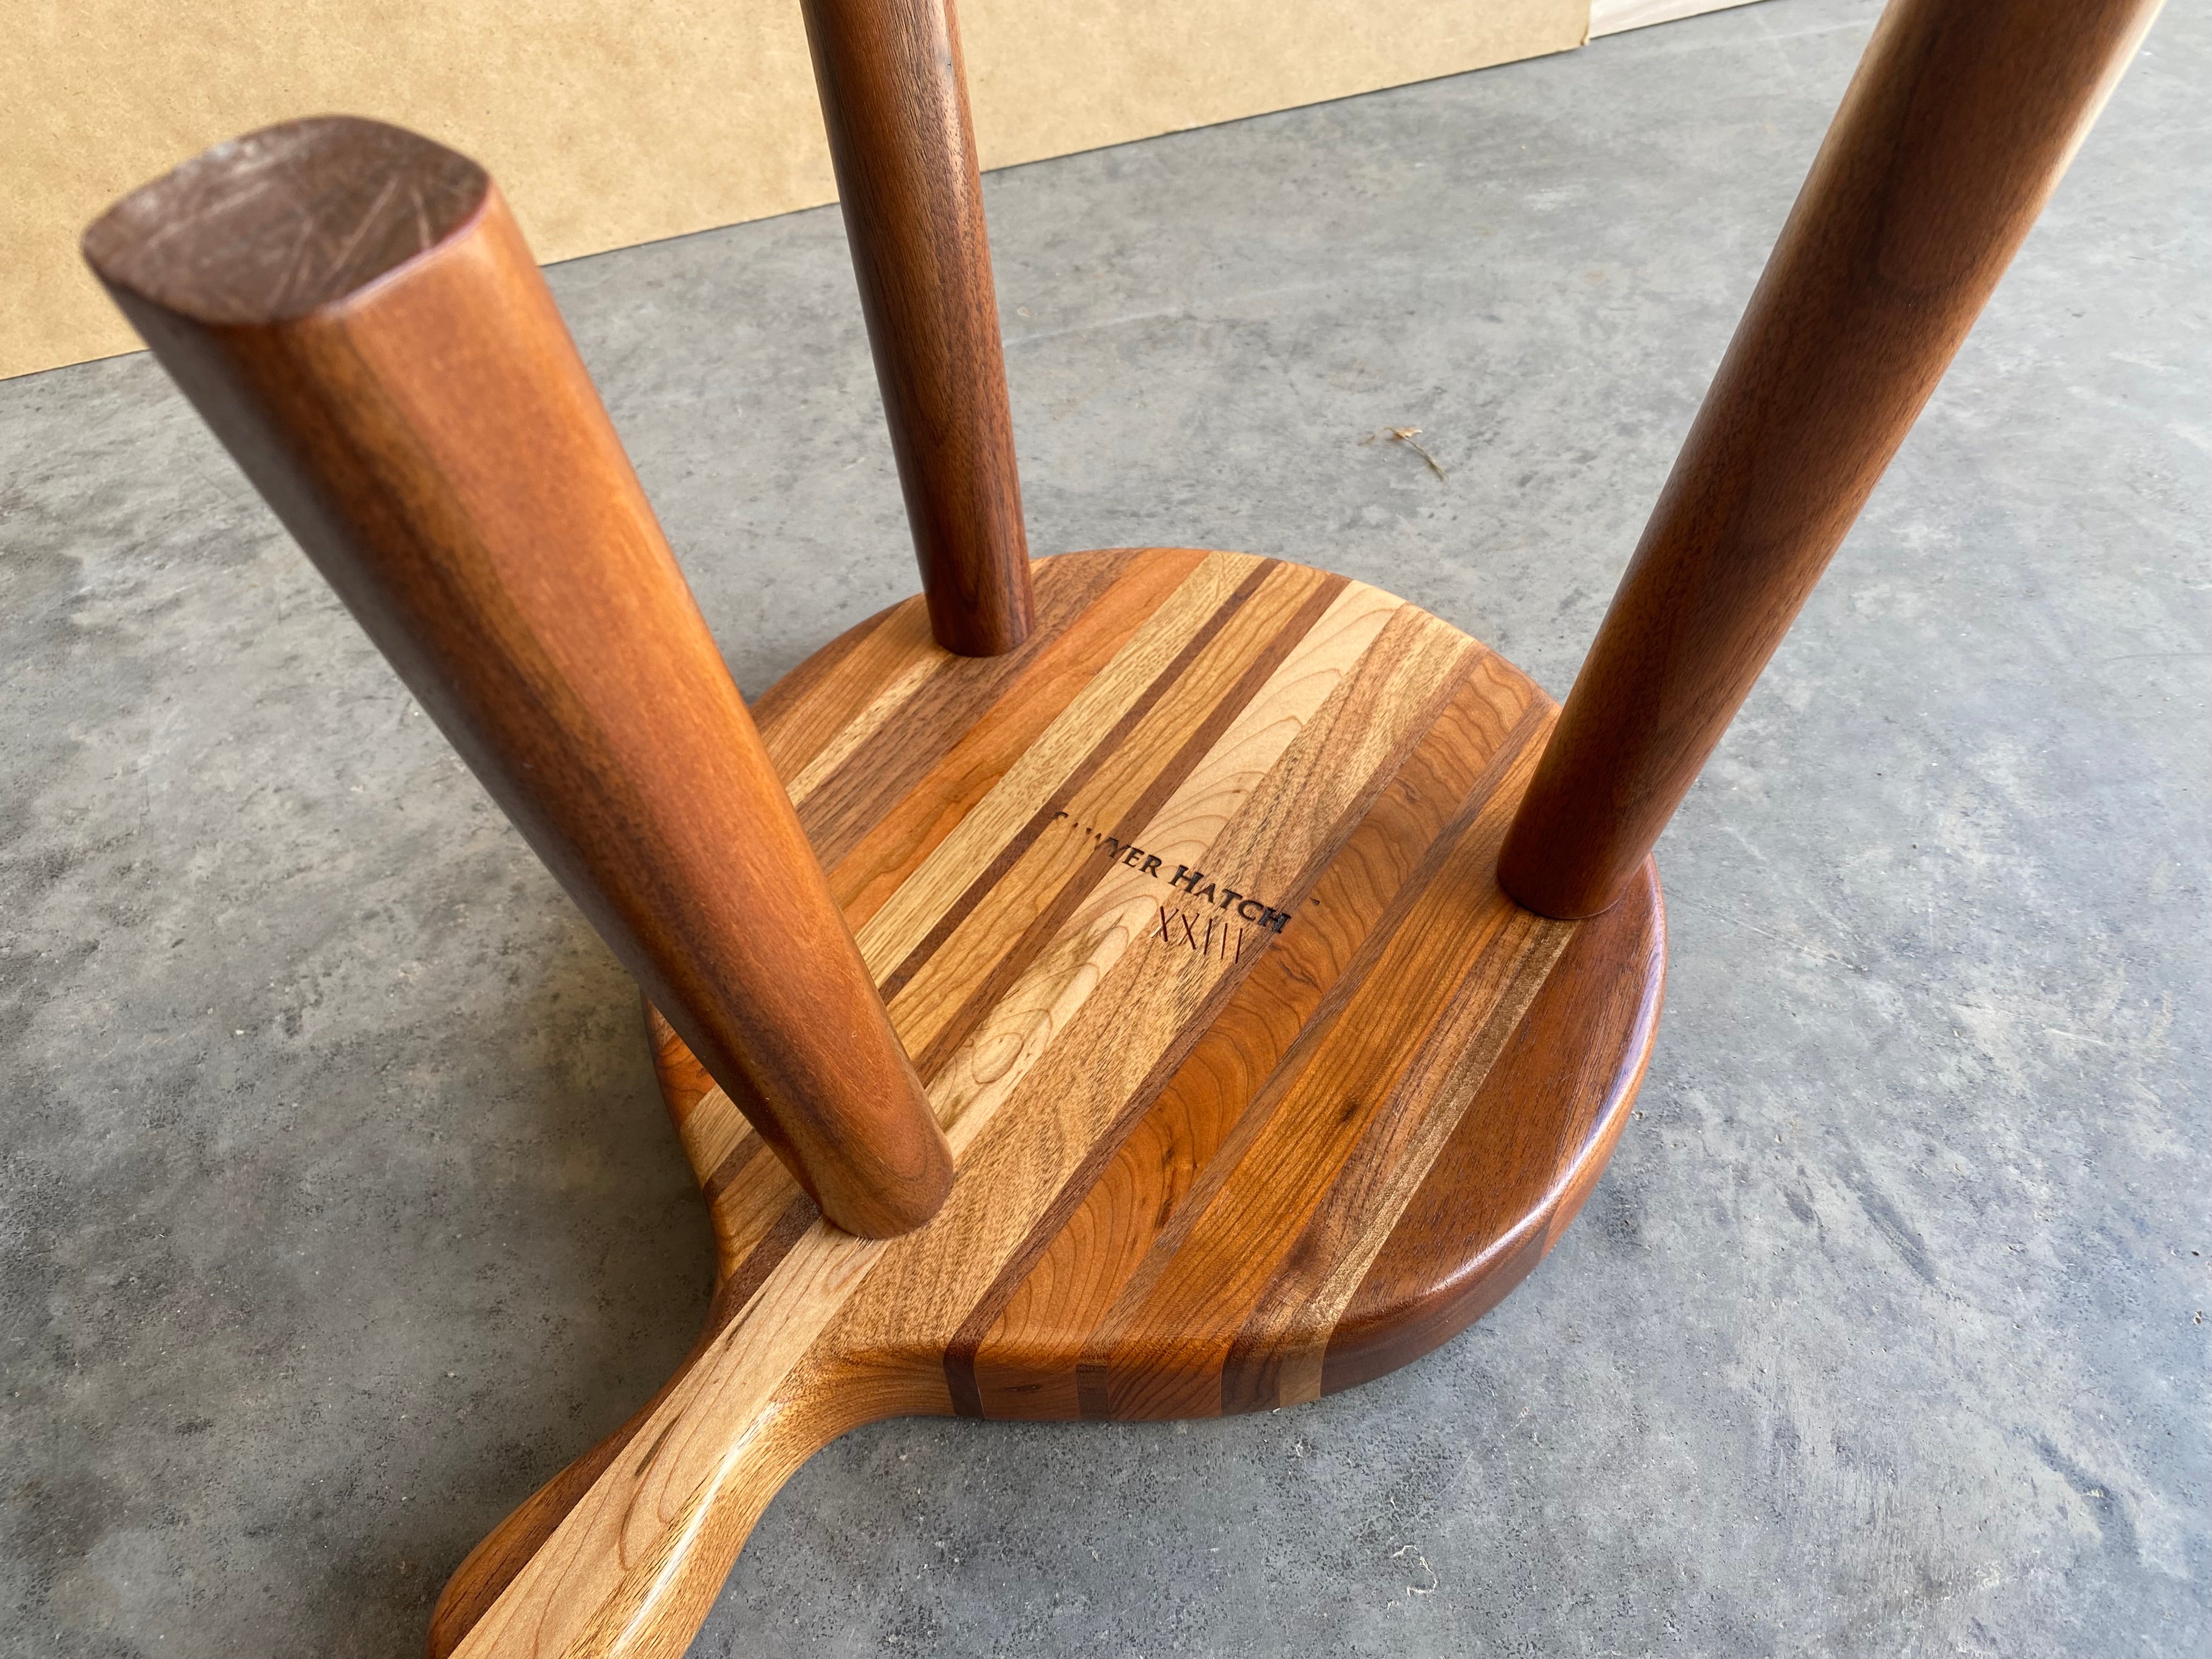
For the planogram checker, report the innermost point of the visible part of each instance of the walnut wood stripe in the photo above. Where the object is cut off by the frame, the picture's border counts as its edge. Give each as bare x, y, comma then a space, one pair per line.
1102, 746
895, 754
805, 788
1026, 876
1104, 796
1162, 1347
839, 684
1275, 1359
1118, 911
746, 1203
1524, 1153
1411, 657
826, 696
908, 916
1064, 664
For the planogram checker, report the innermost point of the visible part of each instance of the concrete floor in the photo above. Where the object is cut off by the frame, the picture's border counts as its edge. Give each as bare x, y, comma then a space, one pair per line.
337, 1211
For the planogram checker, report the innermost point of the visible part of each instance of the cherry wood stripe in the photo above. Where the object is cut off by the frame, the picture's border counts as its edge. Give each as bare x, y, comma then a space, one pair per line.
1081, 1189
683, 1081
1009, 966
876, 864
1162, 1346
1099, 752
838, 683
1565, 1080
901, 748
1276, 1359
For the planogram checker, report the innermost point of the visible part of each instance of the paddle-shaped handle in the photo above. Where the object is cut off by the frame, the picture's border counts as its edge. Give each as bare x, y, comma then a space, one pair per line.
353, 310
621, 1555
1956, 128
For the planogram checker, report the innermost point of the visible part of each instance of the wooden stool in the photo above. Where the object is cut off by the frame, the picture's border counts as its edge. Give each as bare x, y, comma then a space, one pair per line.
1132, 984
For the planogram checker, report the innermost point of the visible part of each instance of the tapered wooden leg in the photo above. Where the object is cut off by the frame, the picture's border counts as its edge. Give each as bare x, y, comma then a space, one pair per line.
353, 310
895, 100
1955, 129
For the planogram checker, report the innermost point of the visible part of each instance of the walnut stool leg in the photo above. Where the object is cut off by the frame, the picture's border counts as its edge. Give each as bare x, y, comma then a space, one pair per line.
895, 99
1955, 129
353, 310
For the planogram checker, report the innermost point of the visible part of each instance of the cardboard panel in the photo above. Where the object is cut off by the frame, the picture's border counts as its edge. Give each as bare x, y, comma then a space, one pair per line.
1613, 17
609, 122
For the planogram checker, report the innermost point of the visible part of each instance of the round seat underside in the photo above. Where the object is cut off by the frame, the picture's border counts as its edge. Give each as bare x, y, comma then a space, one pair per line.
1186, 911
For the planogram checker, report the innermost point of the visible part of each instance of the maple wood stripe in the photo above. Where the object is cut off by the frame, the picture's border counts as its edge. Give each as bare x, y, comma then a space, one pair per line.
1010, 853
1569, 1072
1276, 1359
1010, 967
913, 828
796, 723
1144, 1188
960, 1353
908, 741
1099, 1380
765, 1257
804, 684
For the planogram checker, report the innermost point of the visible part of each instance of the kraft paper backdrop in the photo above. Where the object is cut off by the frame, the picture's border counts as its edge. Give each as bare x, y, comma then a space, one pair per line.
611, 122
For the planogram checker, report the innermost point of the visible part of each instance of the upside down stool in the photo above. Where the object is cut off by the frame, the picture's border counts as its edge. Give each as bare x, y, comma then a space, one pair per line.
1140, 983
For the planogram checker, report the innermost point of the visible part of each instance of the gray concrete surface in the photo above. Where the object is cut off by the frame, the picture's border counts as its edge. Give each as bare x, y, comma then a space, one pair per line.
338, 1210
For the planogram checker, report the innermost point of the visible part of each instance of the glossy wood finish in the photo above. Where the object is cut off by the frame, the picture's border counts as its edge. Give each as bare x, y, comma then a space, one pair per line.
1226, 1140
1955, 129
895, 100
1189, 901
352, 309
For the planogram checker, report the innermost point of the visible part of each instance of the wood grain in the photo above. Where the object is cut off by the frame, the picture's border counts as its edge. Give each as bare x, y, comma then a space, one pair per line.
1224, 1142
1957, 126
352, 309
895, 102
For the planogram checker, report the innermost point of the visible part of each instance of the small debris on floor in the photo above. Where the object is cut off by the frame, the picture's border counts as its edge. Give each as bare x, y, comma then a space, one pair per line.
1409, 436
